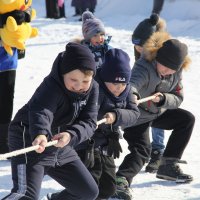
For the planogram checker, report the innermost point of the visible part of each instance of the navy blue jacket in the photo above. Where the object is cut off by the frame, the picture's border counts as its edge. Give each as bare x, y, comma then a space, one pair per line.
98, 51
124, 106
53, 109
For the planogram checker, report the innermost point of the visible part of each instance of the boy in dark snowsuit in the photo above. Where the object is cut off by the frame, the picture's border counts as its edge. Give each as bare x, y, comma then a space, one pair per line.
116, 104
63, 108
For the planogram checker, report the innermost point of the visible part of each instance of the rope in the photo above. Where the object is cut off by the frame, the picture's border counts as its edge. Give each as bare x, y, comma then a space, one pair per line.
35, 147
51, 143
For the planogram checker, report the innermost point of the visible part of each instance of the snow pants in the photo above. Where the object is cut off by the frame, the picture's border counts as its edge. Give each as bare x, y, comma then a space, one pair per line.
103, 173
73, 176
180, 121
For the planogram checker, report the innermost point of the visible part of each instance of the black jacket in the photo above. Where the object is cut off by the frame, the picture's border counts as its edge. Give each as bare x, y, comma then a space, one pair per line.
53, 109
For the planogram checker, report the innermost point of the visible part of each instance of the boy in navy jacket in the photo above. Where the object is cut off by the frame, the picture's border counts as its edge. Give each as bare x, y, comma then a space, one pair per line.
116, 104
63, 108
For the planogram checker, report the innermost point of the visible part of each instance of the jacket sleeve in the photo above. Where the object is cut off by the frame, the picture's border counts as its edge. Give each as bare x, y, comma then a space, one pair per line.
42, 107
128, 116
139, 77
84, 127
174, 98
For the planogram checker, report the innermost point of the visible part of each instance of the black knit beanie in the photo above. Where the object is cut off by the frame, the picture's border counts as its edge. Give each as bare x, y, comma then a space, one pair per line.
116, 67
144, 30
77, 56
172, 54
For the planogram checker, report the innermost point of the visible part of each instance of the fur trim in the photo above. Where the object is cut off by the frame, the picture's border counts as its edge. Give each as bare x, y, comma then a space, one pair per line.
152, 45
155, 42
161, 25
77, 40
186, 63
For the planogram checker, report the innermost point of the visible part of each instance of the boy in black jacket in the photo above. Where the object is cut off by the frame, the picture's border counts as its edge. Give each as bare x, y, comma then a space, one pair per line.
116, 104
63, 108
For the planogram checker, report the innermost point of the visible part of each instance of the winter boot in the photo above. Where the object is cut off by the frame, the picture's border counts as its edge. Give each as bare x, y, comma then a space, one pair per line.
169, 169
154, 162
4, 138
123, 191
51, 196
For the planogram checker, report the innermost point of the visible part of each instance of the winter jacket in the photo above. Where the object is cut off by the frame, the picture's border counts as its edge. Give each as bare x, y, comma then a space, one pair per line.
123, 106
98, 51
53, 109
8, 62
146, 81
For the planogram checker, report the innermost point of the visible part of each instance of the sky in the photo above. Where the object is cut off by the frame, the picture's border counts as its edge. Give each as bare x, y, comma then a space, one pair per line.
120, 18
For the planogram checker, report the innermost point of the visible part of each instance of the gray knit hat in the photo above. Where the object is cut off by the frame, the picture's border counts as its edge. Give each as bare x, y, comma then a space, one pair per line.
91, 25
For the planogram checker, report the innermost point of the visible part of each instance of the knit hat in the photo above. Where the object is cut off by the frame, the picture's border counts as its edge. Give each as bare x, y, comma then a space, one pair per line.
91, 25
172, 54
116, 67
144, 30
77, 56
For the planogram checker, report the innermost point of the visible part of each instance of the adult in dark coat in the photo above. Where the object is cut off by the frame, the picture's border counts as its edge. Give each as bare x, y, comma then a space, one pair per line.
157, 6
55, 9
63, 108
83, 5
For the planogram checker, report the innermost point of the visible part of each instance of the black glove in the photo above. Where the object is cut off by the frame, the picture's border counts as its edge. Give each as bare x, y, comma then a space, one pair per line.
162, 100
114, 147
20, 53
89, 154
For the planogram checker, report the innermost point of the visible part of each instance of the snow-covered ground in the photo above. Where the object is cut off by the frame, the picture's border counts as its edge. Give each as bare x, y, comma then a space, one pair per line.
120, 18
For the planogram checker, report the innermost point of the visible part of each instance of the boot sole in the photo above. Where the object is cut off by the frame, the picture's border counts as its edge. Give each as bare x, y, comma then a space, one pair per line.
152, 171
122, 195
168, 178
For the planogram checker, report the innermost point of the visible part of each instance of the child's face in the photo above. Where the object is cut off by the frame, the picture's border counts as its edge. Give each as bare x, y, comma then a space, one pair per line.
163, 70
139, 48
97, 39
116, 88
76, 81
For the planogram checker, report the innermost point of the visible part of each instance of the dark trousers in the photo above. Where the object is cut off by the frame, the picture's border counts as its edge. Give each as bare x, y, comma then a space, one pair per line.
157, 6
83, 5
7, 87
53, 10
103, 173
73, 176
180, 121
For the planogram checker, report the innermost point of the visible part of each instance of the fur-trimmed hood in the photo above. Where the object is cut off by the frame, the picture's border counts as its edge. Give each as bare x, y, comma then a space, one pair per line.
154, 43
161, 25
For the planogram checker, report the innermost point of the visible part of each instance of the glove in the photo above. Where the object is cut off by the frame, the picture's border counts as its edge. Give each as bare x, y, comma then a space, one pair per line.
162, 100
20, 53
114, 148
89, 154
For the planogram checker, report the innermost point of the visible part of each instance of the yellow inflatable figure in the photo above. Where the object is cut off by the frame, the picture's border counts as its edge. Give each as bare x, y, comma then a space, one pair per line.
15, 28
